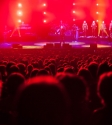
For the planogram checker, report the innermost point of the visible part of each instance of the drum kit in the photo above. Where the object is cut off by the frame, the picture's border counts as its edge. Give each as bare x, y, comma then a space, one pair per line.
57, 30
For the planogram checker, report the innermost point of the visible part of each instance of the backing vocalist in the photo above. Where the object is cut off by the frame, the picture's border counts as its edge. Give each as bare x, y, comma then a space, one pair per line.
103, 29
110, 29
94, 26
85, 28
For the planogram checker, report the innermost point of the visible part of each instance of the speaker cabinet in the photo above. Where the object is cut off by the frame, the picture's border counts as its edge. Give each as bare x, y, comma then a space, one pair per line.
17, 46
93, 46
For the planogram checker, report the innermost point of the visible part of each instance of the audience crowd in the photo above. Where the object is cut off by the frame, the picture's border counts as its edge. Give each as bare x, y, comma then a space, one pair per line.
55, 87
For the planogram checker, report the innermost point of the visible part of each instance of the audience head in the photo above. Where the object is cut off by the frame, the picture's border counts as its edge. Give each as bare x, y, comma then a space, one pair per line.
9, 64
60, 69
22, 68
78, 94
93, 67
75, 85
42, 72
103, 67
13, 82
13, 69
69, 70
83, 72
53, 68
34, 72
2, 69
105, 88
42, 101
30, 68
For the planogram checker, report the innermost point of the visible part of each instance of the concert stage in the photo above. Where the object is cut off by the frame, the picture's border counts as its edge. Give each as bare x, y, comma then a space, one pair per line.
55, 43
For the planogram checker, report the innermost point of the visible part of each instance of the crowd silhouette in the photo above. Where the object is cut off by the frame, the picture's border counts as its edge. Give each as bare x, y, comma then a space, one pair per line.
56, 87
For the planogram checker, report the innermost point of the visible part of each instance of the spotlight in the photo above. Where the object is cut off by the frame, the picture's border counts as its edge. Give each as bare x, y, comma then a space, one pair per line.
74, 11
19, 13
73, 19
97, 12
97, 4
19, 21
44, 21
44, 4
19, 5
74, 4
97, 20
45, 13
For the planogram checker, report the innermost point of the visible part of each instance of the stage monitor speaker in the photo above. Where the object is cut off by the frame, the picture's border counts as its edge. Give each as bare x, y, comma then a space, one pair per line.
93, 46
66, 46
16, 46
48, 46
57, 45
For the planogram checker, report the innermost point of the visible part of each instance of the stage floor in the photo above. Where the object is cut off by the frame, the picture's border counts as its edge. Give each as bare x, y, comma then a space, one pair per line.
39, 44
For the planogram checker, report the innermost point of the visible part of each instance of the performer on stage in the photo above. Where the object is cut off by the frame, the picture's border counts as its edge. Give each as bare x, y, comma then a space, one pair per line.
110, 29
85, 28
94, 26
62, 32
75, 32
103, 29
